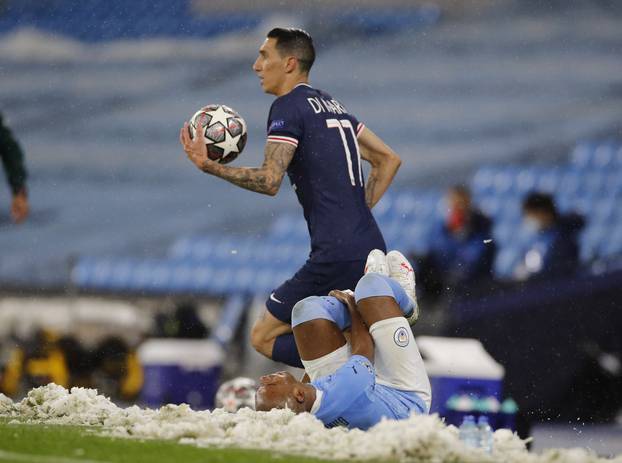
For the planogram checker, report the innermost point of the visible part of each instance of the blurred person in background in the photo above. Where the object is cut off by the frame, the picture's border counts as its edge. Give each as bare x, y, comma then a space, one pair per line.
33, 362
15, 170
78, 360
183, 323
553, 248
11, 366
461, 253
117, 370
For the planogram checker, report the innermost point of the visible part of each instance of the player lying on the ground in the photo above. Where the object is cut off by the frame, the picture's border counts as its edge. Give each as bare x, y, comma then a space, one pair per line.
379, 374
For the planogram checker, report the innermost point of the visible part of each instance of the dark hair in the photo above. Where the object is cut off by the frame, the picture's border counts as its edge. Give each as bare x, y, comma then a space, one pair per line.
540, 202
461, 190
295, 42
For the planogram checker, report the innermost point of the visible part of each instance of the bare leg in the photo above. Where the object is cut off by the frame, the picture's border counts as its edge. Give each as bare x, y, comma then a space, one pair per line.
317, 338
375, 309
265, 331
318, 324
397, 358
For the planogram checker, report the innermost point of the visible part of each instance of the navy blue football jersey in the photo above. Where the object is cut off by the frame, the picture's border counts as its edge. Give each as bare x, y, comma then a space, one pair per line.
326, 173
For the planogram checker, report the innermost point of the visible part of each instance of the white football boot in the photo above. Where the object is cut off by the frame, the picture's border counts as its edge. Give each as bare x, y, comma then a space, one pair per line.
377, 263
402, 272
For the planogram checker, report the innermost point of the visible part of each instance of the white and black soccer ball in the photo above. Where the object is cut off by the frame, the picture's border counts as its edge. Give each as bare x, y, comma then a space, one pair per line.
224, 129
236, 393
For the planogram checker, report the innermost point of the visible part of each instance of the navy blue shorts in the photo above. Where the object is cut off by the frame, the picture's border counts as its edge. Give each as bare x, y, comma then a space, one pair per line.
313, 279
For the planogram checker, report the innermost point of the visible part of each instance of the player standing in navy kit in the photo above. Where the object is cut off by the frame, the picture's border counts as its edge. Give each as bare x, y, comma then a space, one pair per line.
313, 138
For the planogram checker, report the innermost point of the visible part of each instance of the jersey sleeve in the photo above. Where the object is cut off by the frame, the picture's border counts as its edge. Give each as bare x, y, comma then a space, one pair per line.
358, 125
284, 123
344, 387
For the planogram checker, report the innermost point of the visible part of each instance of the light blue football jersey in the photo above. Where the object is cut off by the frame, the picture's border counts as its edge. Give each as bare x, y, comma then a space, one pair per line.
350, 397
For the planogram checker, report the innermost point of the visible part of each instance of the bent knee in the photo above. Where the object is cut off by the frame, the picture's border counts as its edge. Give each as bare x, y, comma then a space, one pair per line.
371, 285
261, 339
307, 309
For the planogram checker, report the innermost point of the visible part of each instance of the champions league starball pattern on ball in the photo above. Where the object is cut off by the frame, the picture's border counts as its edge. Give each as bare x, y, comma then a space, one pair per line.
224, 129
236, 393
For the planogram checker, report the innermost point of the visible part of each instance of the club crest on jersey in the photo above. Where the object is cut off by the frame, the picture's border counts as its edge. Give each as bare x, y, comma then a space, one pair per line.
401, 337
278, 124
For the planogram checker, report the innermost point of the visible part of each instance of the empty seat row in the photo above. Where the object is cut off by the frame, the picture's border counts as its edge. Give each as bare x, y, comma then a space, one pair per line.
94, 20
408, 218
170, 277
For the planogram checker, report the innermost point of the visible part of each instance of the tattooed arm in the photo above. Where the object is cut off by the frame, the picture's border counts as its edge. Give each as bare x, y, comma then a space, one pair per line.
384, 164
265, 179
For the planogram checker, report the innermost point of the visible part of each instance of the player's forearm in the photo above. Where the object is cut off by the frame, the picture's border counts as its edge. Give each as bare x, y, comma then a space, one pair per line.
360, 339
379, 179
257, 179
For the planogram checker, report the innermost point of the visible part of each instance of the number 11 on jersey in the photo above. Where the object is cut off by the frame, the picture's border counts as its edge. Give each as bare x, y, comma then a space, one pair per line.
342, 124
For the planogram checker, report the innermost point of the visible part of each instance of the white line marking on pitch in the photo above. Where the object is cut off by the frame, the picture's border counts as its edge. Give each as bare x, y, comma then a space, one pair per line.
30, 458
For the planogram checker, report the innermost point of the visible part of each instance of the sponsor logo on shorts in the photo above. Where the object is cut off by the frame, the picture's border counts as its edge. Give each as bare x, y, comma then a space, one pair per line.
272, 298
401, 337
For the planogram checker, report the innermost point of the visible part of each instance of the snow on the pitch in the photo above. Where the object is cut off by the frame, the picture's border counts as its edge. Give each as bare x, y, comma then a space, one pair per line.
420, 438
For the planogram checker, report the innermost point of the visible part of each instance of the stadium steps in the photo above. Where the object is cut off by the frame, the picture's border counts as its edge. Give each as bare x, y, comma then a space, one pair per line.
590, 184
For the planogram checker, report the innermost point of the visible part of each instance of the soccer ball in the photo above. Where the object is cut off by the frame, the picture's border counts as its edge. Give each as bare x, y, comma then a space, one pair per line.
236, 393
224, 129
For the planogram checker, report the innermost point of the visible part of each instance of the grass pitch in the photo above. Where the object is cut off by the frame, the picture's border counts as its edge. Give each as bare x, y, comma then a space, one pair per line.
35, 443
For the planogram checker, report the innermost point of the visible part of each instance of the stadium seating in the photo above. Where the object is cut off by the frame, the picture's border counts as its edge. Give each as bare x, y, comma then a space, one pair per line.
94, 20
591, 184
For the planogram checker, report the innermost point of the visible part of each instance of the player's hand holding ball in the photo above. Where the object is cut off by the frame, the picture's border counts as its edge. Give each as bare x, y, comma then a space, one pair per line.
216, 133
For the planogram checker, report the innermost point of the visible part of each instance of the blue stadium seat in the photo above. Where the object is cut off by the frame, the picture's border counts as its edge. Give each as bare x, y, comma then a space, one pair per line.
181, 248
593, 183
202, 277
617, 157
414, 239
491, 206
510, 210
601, 156
526, 180
405, 204
604, 156
265, 280
590, 241
482, 183
141, 276
613, 182
548, 180
193, 248
505, 261
504, 180
611, 245
383, 207
581, 156
392, 231
284, 225
121, 275
96, 20
503, 233
570, 183
603, 212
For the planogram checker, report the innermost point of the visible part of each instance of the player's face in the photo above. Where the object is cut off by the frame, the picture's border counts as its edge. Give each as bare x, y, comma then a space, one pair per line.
276, 391
270, 66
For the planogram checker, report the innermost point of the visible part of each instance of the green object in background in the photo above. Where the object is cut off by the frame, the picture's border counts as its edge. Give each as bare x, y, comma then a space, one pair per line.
12, 158
452, 402
509, 406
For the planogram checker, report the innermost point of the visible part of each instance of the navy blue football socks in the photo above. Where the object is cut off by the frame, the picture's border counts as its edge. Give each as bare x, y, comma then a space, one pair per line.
285, 351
